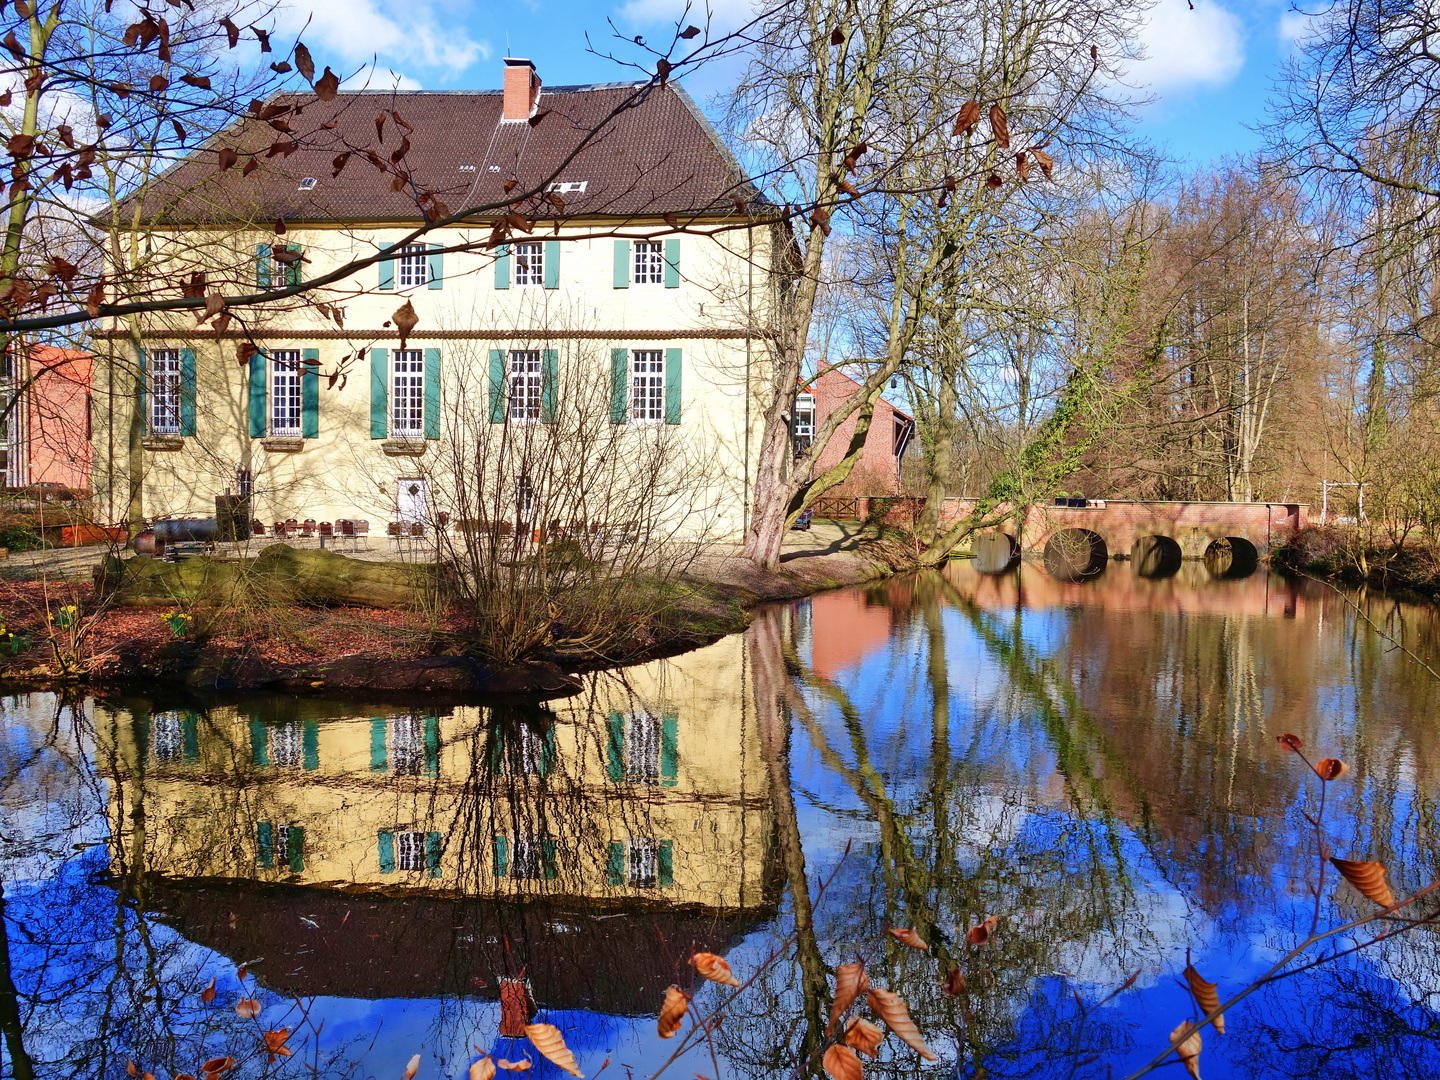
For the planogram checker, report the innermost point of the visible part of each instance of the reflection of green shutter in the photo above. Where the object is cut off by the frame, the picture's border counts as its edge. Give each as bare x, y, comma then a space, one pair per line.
619, 385
622, 264
547, 858
615, 866
296, 844
265, 844
499, 393
615, 748
502, 857
495, 745
386, 845
669, 749
432, 853
189, 738
432, 746
378, 760
549, 384
311, 760
665, 856
259, 744
547, 749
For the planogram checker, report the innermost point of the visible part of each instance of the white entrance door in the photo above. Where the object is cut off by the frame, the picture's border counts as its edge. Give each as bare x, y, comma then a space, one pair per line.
412, 501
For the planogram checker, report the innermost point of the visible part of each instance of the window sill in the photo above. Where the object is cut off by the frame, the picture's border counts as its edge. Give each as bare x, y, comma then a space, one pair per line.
283, 444
163, 442
404, 447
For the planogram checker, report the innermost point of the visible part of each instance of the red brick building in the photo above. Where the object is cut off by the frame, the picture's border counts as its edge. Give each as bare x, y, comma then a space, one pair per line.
46, 438
891, 434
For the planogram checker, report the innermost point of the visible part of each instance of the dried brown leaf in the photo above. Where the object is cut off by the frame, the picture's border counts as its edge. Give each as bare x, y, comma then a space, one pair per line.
1330, 768
131, 1068
200, 82
275, 1044
227, 157
850, 982
515, 1066
412, 1068
1205, 995
232, 32
484, 1069
303, 63
837, 36
248, 1008
891, 1008
672, 1012
864, 1036
966, 118
405, 321
327, 86
954, 983
1187, 1049
842, 1064
714, 968
215, 1066
689, 32
906, 936
1290, 742
1369, 878
999, 126
551, 1043
1022, 166
980, 934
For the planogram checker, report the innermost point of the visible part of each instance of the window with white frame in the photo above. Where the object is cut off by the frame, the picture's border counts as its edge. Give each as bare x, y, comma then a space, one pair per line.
647, 386
410, 850
280, 845
407, 393
525, 384
804, 428
525, 752
642, 748
407, 745
164, 391
524, 496
285, 392
528, 858
644, 866
167, 736
649, 262
414, 260
529, 264
286, 743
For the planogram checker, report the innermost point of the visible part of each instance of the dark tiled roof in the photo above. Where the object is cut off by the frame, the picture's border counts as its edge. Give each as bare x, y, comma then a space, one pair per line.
659, 156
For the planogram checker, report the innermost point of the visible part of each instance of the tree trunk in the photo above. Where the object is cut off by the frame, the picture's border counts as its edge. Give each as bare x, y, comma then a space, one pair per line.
940, 462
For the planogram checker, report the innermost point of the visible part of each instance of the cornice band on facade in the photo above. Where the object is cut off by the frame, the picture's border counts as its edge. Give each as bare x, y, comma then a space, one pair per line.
436, 335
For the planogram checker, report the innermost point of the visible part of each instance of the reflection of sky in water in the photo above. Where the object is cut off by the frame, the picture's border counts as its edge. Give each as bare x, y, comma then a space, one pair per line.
1112, 791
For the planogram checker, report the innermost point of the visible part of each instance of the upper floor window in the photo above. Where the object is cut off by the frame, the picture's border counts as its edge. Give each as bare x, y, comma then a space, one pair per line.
167, 735
285, 392
642, 748
164, 391
649, 263
407, 746
414, 262
286, 744
407, 393
530, 264
647, 386
525, 381
804, 428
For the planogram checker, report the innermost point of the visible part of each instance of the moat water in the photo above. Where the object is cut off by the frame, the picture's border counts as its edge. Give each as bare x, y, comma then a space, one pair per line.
1093, 764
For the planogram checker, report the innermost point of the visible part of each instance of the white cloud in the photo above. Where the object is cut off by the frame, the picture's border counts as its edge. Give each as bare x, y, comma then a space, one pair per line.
355, 30
724, 14
1294, 27
1184, 48
373, 78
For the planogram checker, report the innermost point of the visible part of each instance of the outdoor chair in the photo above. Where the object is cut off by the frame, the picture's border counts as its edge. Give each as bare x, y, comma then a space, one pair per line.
307, 529
392, 530
362, 533
257, 528
327, 531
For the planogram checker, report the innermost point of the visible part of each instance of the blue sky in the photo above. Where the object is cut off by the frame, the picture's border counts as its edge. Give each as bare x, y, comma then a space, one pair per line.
1210, 67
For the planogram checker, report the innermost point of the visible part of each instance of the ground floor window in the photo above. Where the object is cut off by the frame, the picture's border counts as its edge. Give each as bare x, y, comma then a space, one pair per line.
525, 384
285, 392
644, 866
410, 850
164, 390
407, 393
647, 386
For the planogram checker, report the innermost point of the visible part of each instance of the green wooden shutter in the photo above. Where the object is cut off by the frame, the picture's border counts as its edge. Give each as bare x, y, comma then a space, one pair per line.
292, 270
387, 269
615, 863
432, 853
547, 750
615, 748
672, 263
432, 393
502, 266
296, 846
310, 393
262, 266
142, 395
378, 758
547, 859
189, 738
436, 268
259, 744
669, 749
379, 393
665, 856
385, 843
265, 845
672, 386
257, 396
432, 746
501, 862
496, 747
311, 740
498, 395
552, 264
622, 264
549, 384
619, 385
187, 391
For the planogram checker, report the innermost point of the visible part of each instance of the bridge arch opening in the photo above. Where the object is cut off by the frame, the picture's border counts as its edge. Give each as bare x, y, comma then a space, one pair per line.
1075, 555
995, 552
1231, 557
1155, 556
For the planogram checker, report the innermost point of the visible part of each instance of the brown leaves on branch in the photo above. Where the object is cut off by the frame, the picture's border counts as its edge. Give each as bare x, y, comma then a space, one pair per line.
850, 982
864, 1036
837, 36
980, 934
853, 155
275, 1044
214, 305
1290, 742
484, 1069
662, 69
551, 1043
1330, 768
1205, 995
1022, 166
689, 32
999, 126
515, 1066
303, 63
841, 1064
906, 936
93, 299
954, 983
1044, 160
966, 118
714, 968
405, 321
200, 82
1188, 1048
244, 350
215, 1066
413, 1067
1369, 878
227, 157
232, 32
328, 85
249, 1008
891, 1008
672, 1012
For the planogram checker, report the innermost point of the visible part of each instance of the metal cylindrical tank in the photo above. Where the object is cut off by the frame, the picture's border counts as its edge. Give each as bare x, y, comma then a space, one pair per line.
176, 529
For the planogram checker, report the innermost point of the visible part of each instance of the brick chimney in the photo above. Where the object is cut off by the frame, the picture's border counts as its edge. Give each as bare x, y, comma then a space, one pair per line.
522, 88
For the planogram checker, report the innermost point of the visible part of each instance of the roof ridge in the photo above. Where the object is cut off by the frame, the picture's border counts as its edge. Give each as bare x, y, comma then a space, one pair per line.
569, 88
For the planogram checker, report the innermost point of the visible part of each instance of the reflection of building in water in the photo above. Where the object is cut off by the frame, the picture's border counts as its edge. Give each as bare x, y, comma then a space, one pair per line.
644, 792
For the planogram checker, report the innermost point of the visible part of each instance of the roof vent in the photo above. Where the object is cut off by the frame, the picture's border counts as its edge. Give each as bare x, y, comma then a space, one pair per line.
568, 187
307, 184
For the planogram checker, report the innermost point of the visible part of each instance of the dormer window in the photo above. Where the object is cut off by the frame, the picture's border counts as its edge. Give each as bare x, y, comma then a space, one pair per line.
307, 184
569, 187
